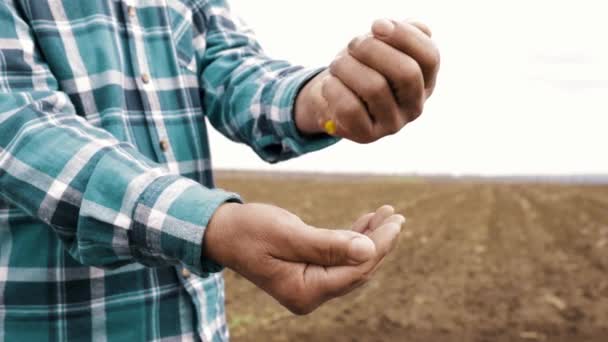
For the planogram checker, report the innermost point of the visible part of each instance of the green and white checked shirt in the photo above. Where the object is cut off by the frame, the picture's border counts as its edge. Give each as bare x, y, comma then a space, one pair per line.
105, 180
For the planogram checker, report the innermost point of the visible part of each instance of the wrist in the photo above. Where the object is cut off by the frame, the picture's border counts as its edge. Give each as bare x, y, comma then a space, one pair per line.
307, 106
216, 241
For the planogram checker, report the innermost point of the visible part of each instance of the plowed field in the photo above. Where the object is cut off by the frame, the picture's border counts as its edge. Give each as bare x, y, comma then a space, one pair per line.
475, 262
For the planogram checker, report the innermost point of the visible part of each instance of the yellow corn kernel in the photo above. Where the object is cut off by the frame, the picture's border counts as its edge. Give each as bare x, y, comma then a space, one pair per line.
330, 127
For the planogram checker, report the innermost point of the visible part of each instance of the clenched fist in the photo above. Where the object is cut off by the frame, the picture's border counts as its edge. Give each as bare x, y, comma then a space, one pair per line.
374, 87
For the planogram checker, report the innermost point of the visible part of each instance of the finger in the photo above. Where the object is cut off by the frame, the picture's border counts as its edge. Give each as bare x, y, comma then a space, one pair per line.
373, 89
360, 226
380, 215
392, 218
395, 218
351, 118
402, 71
384, 238
336, 281
394, 221
327, 247
422, 27
413, 41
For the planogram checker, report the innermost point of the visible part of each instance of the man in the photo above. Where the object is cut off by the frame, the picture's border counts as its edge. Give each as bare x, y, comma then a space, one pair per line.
110, 226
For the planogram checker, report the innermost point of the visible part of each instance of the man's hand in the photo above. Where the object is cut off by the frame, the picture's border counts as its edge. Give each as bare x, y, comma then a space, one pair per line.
300, 266
375, 87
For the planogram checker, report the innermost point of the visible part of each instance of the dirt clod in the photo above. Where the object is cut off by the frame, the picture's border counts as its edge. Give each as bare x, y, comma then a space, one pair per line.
555, 301
532, 335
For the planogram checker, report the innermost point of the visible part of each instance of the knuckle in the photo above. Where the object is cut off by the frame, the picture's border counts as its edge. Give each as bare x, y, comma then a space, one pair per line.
336, 65
282, 217
392, 124
416, 109
364, 134
434, 58
349, 108
294, 298
377, 88
300, 308
409, 72
301, 305
410, 89
365, 139
360, 44
332, 255
393, 129
399, 120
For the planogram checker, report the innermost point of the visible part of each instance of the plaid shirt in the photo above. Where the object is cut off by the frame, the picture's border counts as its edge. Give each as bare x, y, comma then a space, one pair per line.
105, 181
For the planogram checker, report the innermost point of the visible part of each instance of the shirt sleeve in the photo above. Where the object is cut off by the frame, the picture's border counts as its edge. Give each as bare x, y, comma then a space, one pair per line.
109, 204
248, 96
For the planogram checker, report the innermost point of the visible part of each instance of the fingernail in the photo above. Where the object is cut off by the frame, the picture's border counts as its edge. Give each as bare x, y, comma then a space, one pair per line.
361, 249
383, 27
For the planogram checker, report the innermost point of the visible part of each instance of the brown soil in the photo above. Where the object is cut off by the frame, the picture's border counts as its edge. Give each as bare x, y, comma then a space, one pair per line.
475, 262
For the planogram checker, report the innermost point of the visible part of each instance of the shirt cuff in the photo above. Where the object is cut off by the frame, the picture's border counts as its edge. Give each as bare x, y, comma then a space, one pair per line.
171, 218
293, 142
145, 215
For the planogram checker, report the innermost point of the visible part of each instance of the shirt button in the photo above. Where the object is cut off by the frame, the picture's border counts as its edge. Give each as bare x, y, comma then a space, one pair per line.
164, 145
145, 78
132, 11
186, 273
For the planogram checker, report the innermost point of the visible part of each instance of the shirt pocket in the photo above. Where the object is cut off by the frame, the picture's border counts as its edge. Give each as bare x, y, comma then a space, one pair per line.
182, 34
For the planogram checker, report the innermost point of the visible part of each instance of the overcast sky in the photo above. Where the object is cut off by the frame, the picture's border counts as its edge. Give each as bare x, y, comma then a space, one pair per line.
523, 86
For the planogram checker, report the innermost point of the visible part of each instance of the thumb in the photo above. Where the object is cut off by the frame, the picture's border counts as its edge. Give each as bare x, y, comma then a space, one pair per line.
326, 247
